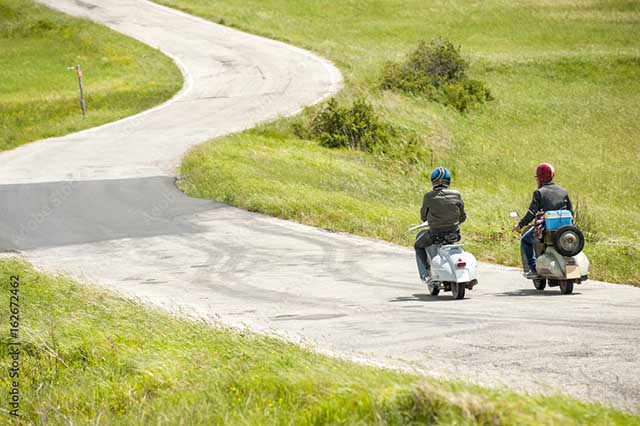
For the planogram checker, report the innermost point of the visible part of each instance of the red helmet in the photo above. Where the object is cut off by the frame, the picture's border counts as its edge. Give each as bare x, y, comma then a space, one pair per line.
545, 173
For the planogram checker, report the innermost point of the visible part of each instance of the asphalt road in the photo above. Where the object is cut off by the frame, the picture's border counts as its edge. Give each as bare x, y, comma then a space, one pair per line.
102, 206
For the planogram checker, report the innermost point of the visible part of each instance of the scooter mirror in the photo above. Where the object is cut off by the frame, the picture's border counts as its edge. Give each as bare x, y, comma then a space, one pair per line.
513, 214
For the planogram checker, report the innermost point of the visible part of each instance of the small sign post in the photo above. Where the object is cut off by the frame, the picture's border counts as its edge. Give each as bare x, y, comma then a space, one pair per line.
83, 104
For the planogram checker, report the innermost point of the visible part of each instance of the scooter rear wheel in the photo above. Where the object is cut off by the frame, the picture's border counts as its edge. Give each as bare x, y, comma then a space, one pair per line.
434, 290
540, 284
457, 289
566, 286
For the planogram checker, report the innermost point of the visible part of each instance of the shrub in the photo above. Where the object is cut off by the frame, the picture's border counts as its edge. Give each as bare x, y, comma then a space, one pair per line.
438, 71
355, 127
440, 61
359, 127
463, 94
404, 78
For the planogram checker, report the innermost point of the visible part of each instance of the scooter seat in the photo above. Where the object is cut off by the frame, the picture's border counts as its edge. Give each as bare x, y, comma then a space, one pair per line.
452, 247
446, 238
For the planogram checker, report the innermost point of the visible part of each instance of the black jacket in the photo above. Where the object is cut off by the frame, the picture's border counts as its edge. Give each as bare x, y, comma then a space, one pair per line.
444, 209
548, 197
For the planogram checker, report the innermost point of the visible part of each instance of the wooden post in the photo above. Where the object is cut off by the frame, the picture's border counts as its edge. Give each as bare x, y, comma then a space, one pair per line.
83, 105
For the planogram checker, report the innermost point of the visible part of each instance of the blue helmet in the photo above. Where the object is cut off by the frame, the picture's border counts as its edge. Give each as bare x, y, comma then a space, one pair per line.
440, 175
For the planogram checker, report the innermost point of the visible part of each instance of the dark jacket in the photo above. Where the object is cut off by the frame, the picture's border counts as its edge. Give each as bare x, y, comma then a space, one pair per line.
548, 197
444, 209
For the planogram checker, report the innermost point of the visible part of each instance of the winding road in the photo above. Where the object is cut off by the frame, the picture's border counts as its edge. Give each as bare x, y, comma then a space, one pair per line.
102, 205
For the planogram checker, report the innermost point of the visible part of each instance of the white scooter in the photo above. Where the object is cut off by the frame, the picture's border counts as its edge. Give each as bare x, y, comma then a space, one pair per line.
560, 261
452, 269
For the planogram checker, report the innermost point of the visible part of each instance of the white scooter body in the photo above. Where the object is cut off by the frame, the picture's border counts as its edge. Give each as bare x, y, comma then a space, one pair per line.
453, 264
452, 269
553, 268
552, 265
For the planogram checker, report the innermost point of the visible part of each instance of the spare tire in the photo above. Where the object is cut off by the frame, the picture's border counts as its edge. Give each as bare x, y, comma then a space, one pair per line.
568, 240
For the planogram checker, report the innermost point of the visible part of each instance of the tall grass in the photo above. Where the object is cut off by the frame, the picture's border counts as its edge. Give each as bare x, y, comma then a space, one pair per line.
566, 82
39, 95
90, 358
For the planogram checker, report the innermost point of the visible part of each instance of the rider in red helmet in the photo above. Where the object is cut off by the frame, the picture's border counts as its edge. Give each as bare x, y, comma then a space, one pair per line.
548, 196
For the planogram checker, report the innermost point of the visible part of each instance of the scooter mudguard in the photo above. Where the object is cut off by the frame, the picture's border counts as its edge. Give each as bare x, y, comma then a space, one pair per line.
452, 264
549, 264
465, 267
583, 263
441, 269
553, 265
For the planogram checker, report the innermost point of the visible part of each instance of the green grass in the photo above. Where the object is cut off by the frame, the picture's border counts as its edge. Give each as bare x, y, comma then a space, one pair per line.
91, 358
566, 78
39, 96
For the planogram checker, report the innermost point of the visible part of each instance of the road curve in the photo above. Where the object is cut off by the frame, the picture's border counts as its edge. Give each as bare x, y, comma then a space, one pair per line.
233, 80
102, 205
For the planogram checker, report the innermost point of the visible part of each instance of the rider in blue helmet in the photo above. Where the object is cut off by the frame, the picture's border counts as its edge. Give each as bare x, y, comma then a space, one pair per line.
441, 174
444, 209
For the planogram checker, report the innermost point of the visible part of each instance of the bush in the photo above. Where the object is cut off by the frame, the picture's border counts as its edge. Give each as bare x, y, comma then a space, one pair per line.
359, 127
355, 127
404, 78
438, 71
463, 94
440, 61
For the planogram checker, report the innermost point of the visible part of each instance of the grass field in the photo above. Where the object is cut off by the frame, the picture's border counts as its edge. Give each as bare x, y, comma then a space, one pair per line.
566, 78
90, 358
39, 96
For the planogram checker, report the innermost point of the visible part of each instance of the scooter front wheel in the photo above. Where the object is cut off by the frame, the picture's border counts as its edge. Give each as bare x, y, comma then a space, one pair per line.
457, 289
434, 290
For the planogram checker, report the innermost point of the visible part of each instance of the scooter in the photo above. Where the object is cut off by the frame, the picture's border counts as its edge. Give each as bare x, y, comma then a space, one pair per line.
452, 269
560, 261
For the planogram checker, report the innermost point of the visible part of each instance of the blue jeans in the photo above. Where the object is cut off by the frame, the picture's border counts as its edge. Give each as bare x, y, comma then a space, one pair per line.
527, 243
422, 245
